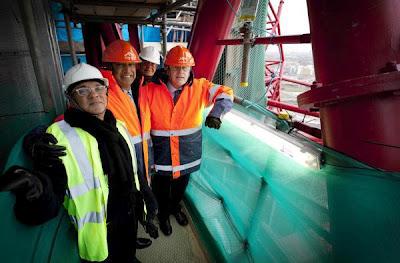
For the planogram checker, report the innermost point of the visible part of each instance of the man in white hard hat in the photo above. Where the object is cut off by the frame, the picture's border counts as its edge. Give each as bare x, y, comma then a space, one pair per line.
150, 57
122, 58
150, 60
97, 180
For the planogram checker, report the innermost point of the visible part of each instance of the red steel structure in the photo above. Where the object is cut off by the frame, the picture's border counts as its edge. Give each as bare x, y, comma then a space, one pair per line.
205, 33
358, 91
356, 67
272, 80
207, 54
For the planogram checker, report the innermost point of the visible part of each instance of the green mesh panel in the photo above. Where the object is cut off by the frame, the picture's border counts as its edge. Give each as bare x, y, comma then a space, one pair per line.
256, 204
53, 241
253, 203
230, 66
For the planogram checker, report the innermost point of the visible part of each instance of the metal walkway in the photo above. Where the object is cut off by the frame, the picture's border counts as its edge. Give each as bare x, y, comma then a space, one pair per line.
181, 246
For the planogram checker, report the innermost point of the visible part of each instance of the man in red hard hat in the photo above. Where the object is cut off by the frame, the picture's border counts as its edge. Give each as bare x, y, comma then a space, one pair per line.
122, 59
173, 104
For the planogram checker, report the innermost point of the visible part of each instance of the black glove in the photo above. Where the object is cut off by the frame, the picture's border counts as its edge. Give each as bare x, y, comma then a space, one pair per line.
151, 228
22, 182
147, 219
146, 196
42, 148
152, 210
213, 122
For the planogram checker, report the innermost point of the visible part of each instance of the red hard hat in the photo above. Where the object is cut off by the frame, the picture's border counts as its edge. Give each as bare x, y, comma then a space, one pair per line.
179, 57
120, 51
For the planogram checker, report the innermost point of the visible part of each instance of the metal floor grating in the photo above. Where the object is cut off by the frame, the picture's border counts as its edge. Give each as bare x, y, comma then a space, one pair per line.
181, 246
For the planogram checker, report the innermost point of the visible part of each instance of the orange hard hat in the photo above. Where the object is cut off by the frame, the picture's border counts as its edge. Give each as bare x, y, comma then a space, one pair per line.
179, 57
120, 51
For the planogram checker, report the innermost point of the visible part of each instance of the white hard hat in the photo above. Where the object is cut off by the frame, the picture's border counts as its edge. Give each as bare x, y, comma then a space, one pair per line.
82, 72
150, 54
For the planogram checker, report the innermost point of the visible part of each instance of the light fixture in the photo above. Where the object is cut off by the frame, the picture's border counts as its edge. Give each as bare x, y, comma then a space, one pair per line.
296, 148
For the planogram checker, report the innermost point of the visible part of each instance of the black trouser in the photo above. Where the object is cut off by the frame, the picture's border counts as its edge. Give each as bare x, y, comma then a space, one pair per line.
169, 192
121, 232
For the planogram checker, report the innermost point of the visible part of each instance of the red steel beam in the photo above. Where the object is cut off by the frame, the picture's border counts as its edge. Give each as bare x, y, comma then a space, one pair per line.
285, 106
290, 39
213, 21
297, 81
314, 132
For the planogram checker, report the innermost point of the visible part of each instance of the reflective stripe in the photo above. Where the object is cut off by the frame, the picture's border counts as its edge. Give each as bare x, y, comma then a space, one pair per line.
169, 133
163, 167
90, 217
177, 168
213, 90
146, 136
81, 189
83, 162
135, 168
134, 159
135, 139
224, 96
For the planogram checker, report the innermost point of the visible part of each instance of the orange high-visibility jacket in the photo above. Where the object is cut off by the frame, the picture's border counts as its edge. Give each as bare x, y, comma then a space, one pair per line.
124, 109
176, 129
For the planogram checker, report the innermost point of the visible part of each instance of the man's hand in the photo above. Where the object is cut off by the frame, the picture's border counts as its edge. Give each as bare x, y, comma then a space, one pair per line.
213, 122
151, 228
21, 182
42, 148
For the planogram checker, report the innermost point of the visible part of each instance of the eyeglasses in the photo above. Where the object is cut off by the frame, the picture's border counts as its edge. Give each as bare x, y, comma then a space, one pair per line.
185, 69
85, 91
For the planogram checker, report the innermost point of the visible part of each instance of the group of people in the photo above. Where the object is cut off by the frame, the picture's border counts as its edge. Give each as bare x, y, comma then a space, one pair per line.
122, 152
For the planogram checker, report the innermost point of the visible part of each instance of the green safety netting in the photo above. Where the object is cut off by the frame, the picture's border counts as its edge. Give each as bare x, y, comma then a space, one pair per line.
53, 241
230, 66
253, 201
257, 203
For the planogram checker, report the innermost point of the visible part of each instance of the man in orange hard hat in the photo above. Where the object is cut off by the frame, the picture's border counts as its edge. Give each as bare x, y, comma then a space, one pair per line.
121, 59
173, 103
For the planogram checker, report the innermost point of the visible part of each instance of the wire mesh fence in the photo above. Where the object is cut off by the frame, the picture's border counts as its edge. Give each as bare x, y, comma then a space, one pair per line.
230, 66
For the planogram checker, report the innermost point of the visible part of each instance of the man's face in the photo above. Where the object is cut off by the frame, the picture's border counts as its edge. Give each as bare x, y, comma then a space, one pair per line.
147, 68
124, 74
178, 76
91, 97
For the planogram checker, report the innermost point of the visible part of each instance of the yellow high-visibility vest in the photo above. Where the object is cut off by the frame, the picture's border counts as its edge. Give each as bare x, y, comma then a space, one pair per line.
87, 192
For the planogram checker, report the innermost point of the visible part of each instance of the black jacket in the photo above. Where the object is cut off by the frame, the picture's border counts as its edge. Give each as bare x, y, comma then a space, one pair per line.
125, 204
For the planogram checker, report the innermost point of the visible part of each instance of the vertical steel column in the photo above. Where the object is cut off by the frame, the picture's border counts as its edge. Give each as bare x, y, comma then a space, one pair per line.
93, 33
108, 32
92, 43
70, 40
142, 36
247, 41
134, 36
164, 35
213, 21
355, 46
